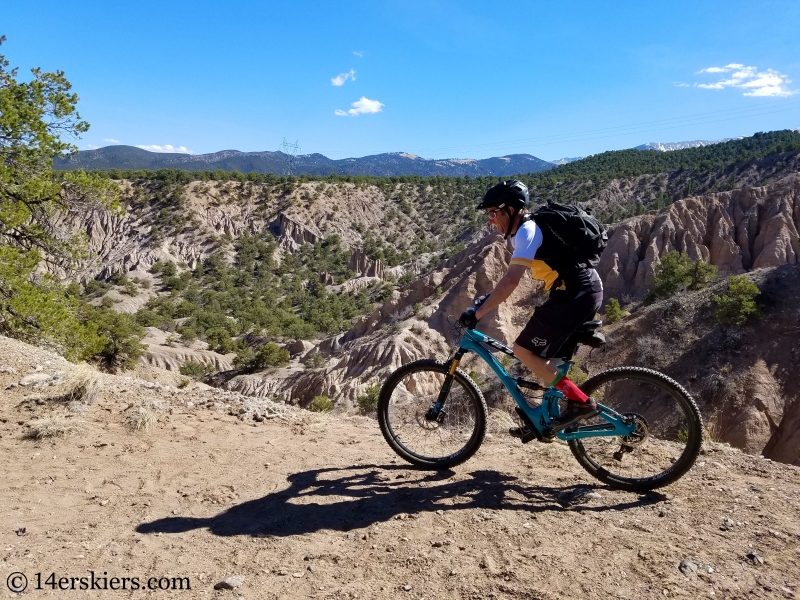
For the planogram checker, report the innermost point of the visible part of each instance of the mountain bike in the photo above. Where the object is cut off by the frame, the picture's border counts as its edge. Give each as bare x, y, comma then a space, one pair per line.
646, 433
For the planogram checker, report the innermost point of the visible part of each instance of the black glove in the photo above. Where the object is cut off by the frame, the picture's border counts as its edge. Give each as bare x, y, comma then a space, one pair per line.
468, 319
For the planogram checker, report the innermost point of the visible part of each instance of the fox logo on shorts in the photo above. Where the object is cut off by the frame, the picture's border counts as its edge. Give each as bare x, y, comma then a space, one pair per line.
539, 342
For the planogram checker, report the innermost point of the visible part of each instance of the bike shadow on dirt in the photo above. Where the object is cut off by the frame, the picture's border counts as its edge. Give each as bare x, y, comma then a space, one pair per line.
344, 499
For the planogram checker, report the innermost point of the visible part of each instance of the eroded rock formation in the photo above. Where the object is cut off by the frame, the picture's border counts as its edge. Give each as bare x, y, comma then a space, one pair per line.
160, 353
738, 231
362, 265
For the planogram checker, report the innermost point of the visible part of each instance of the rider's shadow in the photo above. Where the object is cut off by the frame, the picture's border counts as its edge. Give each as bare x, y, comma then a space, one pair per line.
356, 497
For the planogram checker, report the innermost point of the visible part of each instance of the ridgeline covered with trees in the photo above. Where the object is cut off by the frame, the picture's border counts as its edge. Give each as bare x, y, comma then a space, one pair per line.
630, 163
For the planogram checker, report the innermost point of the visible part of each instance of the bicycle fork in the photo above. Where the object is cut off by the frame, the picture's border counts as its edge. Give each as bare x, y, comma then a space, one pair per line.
437, 412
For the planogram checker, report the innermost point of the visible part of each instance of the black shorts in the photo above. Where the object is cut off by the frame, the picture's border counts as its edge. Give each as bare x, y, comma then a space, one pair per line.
554, 321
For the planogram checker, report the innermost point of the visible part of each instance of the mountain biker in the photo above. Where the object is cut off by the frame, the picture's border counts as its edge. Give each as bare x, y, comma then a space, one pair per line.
576, 294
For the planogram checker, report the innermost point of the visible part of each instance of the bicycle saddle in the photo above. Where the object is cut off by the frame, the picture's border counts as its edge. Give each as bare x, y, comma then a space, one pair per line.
589, 335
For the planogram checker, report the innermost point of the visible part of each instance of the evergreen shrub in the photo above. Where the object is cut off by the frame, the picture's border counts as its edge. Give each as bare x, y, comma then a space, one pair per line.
614, 312
321, 404
368, 403
676, 272
737, 306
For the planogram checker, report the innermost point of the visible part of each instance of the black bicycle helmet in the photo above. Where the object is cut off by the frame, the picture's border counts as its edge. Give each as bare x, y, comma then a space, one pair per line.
511, 193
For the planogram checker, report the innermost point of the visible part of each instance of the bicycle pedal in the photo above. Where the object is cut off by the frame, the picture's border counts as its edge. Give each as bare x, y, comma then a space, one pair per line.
527, 431
523, 434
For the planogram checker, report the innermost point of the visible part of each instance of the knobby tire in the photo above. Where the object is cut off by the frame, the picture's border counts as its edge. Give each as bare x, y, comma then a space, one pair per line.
689, 440
400, 411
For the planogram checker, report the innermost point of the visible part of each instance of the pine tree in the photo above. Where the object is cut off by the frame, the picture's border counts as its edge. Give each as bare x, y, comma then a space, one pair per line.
35, 117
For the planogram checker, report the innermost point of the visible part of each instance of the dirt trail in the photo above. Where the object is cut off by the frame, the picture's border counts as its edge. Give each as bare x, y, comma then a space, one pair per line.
310, 506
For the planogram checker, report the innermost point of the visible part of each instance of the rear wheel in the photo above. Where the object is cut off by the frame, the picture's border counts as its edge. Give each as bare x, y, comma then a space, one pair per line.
668, 435
408, 395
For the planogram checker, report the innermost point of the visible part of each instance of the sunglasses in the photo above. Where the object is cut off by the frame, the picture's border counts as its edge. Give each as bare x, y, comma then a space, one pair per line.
492, 213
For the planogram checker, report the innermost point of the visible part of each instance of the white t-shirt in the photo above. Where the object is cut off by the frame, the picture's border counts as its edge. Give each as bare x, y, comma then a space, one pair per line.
526, 241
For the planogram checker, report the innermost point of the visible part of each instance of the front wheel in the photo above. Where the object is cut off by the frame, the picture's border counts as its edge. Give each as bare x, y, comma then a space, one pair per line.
668, 435
403, 413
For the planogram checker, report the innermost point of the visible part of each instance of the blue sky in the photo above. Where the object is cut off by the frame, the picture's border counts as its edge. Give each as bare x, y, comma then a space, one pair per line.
435, 78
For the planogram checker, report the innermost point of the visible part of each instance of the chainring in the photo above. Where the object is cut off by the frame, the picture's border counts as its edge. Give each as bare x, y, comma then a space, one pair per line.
640, 434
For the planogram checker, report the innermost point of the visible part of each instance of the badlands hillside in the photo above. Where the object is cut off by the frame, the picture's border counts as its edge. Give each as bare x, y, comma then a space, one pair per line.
367, 275
229, 496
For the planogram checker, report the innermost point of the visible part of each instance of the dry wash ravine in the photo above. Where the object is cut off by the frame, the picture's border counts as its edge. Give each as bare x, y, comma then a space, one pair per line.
299, 505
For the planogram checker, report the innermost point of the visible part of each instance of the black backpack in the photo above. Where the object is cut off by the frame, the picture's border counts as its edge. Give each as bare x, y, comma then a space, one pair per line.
571, 236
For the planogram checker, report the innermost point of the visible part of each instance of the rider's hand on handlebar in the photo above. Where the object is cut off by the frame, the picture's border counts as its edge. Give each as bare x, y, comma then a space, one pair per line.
468, 318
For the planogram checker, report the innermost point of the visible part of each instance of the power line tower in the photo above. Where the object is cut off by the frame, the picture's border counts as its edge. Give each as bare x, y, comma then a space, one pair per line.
290, 150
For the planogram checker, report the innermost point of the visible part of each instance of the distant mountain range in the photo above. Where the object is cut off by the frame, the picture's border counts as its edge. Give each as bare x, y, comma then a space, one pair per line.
387, 164
670, 146
565, 160
661, 147
383, 165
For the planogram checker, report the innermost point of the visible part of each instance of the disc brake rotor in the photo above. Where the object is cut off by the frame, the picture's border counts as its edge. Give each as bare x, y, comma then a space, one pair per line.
424, 423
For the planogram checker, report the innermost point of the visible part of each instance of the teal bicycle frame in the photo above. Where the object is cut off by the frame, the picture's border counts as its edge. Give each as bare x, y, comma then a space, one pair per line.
539, 416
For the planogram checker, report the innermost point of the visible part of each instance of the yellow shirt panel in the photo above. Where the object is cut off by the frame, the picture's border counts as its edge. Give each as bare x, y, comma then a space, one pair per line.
540, 271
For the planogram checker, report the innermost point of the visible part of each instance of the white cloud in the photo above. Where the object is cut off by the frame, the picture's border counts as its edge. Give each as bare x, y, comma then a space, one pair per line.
339, 80
358, 54
680, 84
91, 147
724, 69
111, 141
364, 106
166, 148
769, 83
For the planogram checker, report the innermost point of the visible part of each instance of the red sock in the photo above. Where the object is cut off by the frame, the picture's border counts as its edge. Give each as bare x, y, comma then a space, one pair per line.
571, 391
